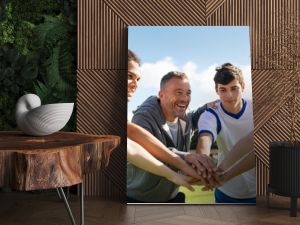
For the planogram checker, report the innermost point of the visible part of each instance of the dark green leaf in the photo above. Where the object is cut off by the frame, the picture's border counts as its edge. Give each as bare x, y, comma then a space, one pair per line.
14, 89
29, 72
7, 83
8, 73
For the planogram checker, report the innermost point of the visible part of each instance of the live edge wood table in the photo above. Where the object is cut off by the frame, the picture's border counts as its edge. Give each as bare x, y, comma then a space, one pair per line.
54, 161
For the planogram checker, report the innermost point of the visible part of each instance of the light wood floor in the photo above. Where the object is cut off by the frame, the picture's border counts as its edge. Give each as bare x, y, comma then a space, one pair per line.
18, 208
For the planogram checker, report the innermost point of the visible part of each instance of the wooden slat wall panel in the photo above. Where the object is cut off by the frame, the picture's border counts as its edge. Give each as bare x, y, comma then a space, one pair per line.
268, 94
277, 128
262, 178
102, 37
160, 13
100, 102
102, 53
229, 13
100, 184
101, 109
212, 6
263, 17
272, 130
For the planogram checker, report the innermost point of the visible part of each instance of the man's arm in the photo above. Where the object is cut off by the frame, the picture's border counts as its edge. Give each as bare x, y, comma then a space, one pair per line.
157, 149
207, 126
138, 156
208, 167
239, 150
245, 164
204, 144
203, 150
240, 159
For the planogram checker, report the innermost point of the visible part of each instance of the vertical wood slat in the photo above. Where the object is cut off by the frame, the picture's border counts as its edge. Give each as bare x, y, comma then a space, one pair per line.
102, 42
262, 178
102, 50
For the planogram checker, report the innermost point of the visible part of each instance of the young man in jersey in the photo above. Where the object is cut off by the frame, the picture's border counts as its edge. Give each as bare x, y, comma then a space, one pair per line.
230, 122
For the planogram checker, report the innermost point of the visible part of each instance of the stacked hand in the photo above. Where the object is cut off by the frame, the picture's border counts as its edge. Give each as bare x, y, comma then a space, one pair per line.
210, 174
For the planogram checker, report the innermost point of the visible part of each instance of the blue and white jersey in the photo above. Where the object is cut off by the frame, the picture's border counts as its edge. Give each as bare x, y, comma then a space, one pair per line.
227, 129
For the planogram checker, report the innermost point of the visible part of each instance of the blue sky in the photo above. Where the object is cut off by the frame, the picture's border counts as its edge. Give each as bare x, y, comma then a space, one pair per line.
194, 50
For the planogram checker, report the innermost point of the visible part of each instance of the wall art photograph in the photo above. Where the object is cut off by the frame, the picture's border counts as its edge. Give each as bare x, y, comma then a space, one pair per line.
190, 116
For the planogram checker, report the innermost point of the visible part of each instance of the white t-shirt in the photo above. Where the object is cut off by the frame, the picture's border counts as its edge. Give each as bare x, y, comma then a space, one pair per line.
227, 129
173, 127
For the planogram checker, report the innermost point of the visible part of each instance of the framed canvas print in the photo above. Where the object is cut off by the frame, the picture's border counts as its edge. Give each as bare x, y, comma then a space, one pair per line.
190, 113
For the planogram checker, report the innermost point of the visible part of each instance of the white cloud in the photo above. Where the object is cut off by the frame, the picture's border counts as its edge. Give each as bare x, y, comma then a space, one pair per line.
202, 84
189, 67
129, 115
153, 72
248, 82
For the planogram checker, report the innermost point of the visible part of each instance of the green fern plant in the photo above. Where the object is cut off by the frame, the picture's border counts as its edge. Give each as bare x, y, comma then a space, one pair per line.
55, 47
57, 72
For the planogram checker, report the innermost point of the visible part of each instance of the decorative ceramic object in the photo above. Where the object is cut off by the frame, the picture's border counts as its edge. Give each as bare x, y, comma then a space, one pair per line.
39, 120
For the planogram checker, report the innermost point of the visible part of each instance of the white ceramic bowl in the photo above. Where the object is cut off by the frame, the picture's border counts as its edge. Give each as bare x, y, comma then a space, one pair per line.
39, 120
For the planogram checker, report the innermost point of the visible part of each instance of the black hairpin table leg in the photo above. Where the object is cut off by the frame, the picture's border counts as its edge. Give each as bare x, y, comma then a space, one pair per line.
62, 195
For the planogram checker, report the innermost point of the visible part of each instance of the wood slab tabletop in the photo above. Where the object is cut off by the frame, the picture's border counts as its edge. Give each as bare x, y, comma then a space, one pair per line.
56, 160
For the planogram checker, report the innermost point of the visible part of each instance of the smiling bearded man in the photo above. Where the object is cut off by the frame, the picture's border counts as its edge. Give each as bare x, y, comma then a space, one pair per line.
165, 117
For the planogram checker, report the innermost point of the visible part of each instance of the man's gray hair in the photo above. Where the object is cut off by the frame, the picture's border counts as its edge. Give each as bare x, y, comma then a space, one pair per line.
171, 75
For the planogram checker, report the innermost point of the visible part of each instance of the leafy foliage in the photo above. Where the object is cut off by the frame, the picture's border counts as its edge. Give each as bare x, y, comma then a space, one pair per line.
33, 10
17, 73
54, 44
56, 62
15, 31
7, 112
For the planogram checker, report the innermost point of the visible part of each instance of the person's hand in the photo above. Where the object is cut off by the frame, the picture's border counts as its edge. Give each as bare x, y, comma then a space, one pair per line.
212, 105
195, 181
208, 185
216, 181
203, 164
191, 158
181, 180
189, 170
